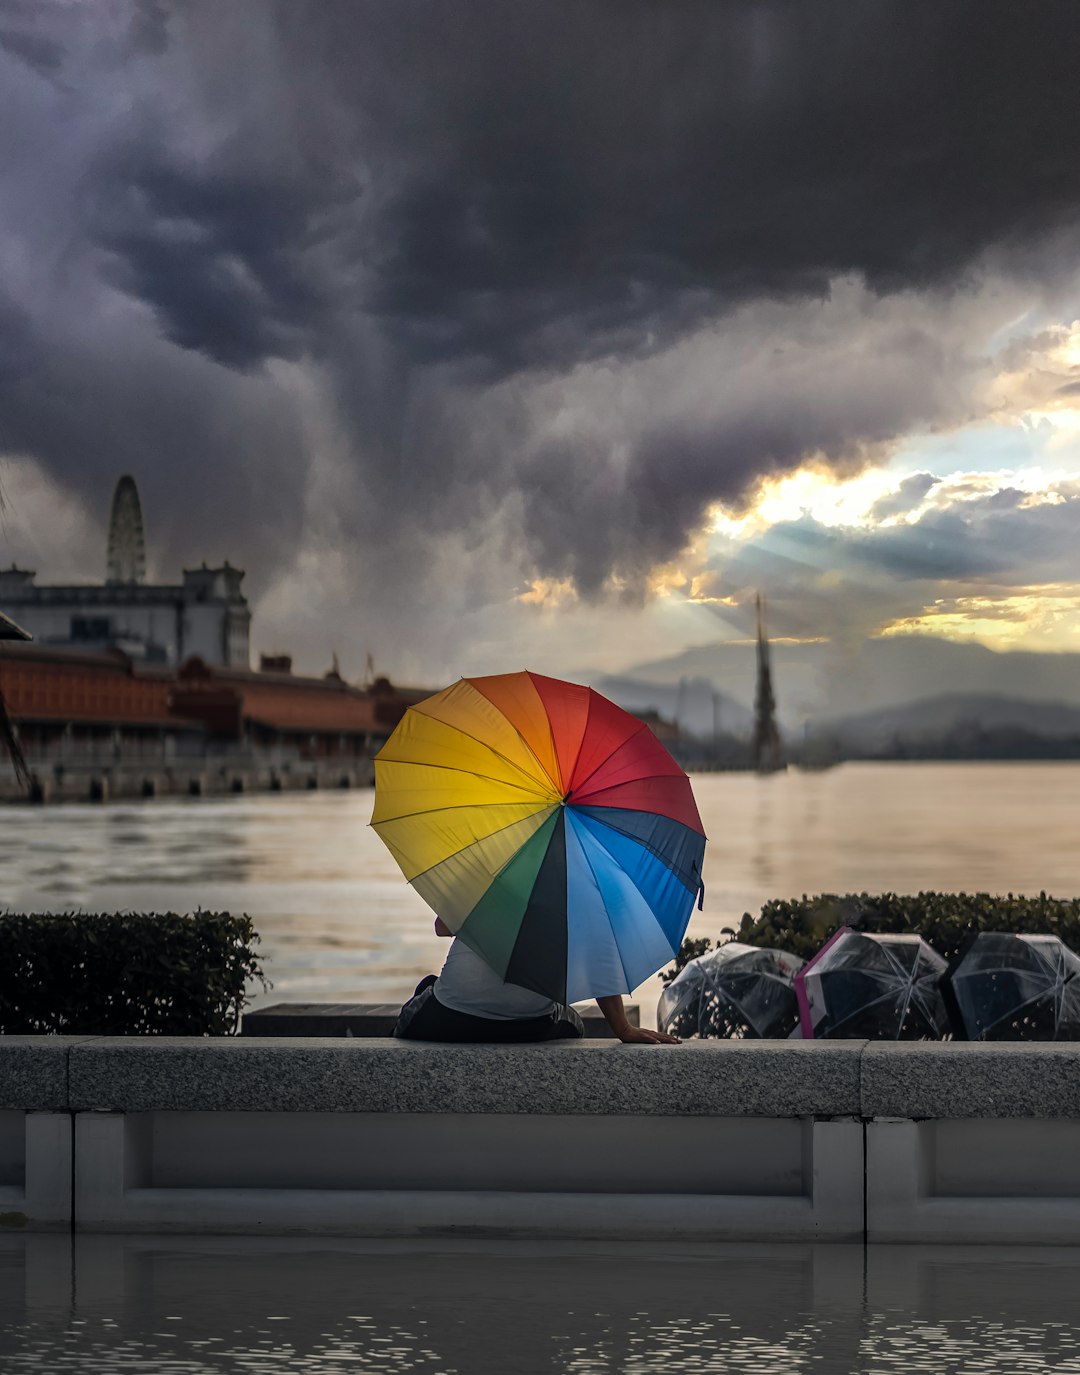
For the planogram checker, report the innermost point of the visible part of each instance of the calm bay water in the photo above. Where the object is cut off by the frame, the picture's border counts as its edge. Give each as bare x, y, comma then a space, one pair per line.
338, 922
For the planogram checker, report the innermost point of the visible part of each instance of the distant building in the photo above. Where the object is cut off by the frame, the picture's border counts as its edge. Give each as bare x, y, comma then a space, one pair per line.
273, 710
205, 615
667, 732
767, 746
84, 717
71, 707
139, 689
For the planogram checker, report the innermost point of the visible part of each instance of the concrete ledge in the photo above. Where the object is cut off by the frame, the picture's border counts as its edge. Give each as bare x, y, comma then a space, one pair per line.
35, 1171
985, 1080
399, 1174
709, 1078
376, 1019
820, 1140
966, 1180
33, 1072
741, 1078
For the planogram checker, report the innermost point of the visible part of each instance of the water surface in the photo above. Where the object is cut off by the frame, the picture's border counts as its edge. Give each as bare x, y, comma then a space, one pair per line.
281, 1306
338, 922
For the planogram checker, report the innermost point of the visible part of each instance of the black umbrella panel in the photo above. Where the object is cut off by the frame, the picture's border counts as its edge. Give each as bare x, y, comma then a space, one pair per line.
881, 987
737, 991
1006, 987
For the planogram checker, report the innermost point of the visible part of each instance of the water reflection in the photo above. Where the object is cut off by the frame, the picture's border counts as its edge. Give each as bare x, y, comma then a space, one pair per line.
126, 1304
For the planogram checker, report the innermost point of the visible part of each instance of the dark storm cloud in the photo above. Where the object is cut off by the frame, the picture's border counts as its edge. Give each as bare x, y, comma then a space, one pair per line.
218, 257
332, 263
848, 582
21, 36
907, 496
626, 163
544, 184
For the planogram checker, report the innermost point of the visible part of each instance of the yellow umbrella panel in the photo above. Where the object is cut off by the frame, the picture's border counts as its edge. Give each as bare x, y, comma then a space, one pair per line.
452, 809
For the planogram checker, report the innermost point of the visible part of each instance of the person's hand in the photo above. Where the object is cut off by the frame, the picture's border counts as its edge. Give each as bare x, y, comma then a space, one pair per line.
611, 1005
642, 1036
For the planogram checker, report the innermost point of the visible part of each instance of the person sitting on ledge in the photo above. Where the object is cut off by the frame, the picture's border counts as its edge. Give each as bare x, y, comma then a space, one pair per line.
469, 1002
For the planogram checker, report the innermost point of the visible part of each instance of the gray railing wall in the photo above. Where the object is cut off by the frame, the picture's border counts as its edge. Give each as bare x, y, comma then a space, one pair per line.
710, 1140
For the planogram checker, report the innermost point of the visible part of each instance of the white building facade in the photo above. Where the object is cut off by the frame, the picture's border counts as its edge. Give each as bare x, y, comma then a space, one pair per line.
206, 614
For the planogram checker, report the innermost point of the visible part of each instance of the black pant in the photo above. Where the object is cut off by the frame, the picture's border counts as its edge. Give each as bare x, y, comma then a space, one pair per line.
424, 1018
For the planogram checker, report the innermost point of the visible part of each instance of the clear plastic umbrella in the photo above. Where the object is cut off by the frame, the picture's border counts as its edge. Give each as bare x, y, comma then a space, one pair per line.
882, 987
1007, 987
736, 991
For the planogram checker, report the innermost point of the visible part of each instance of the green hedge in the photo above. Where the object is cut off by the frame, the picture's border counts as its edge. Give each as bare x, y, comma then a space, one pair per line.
125, 973
803, 925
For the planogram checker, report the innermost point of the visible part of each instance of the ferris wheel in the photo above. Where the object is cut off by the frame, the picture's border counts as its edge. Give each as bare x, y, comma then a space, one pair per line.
127, 545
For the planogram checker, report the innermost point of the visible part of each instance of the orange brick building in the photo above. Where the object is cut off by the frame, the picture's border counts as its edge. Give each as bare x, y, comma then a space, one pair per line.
318, 717
88, 703
104, 708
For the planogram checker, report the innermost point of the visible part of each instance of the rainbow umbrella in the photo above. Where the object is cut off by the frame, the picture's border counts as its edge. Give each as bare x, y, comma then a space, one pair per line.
547, 827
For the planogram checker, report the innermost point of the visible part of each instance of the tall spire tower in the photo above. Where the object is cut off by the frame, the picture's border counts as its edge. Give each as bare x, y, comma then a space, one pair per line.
127, 545
768, 752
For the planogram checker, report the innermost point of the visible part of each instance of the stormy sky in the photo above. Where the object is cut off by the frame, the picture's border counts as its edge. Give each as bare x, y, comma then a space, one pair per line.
487, 334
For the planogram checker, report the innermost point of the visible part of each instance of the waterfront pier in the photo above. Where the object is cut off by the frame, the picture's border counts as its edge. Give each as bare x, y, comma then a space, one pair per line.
103, 726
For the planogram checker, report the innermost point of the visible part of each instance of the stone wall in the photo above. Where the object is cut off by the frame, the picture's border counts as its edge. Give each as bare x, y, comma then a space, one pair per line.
710, 1140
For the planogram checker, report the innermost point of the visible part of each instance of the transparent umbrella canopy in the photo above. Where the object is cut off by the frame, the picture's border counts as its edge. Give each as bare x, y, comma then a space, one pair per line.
737, 991
878, 987
1007, 987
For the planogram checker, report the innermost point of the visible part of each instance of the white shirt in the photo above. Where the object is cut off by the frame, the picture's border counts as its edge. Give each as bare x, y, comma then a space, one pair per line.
467, 984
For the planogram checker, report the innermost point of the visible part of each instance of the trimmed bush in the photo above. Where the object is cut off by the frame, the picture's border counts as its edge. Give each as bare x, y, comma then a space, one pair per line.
944, 920
125, 973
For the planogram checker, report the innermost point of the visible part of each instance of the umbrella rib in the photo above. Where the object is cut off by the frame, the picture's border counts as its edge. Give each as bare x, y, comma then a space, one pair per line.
556, 782
607, 918
637, 778
644, 899
461, 807
632, 736
471, 773
483, 840
547, 721
1012, 1012
484, 745
908, 994
614, 859
998, 969
638, 840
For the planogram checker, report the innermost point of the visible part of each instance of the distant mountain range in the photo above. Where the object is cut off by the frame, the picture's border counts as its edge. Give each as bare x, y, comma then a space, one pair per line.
966, 722
823, 681
910, 698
